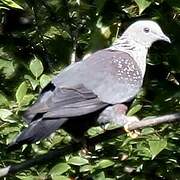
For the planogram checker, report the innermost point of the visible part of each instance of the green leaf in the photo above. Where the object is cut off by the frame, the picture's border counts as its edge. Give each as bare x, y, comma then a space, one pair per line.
8, 130
2, 7
26, 177
156, 146
59, 169
142, 150
36, 67
56, 177
26, 99
21, 92
3, 100
95, 131
9, 70
142, 4
78, 161
44, 80
147, 131
4, 113
11, 4
104, 163
134, 110
54, 31
7, 67
34, 83
99, 176
86, 168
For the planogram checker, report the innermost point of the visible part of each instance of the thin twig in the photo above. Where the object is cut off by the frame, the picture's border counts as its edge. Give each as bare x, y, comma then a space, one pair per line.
109, 134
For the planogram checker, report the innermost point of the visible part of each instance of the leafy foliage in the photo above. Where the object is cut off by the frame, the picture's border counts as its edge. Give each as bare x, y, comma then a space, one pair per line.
39, 38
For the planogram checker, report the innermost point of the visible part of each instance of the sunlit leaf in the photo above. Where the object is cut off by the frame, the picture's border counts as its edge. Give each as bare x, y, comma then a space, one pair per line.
95, 131
11, 4
56, 177
157, 146
86, 168
3, 7
27, 177
8, 130
44, 80
146, 131
142, 4
36, 67
104, 163
4, 113
99, 176
59, 169
7, 67
34, 83
26, 99
134, 110
21, 92
78, 161
78, 2
143, 151
3, 100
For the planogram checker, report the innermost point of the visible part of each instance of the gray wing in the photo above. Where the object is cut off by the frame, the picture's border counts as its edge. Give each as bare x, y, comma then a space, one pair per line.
64, 102
113, 76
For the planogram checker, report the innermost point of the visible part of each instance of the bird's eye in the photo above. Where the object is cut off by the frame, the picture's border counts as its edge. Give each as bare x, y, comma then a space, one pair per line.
146, 30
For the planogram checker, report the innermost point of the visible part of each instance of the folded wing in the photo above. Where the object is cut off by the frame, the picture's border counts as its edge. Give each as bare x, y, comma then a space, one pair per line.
64, 102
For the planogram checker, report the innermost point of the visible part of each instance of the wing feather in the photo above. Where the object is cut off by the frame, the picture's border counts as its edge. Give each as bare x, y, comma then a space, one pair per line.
65, 102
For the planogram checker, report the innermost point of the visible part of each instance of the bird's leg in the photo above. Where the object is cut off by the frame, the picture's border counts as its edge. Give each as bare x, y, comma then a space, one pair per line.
114, 114
117, 115
120, 116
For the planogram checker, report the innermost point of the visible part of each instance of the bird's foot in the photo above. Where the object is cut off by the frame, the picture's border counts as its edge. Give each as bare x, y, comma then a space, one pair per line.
130, 120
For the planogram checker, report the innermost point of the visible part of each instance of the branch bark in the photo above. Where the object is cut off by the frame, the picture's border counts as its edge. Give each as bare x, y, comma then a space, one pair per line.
109, 134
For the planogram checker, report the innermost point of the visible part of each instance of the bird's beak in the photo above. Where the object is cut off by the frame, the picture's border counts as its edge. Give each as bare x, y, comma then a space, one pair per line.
165, 38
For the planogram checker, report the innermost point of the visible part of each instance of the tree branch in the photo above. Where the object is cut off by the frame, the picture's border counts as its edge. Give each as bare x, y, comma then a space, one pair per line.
109, 134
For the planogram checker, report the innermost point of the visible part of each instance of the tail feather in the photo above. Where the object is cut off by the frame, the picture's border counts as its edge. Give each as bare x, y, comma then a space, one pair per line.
37, 130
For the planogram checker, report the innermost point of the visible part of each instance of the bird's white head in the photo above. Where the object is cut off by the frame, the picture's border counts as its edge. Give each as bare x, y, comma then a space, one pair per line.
145, 32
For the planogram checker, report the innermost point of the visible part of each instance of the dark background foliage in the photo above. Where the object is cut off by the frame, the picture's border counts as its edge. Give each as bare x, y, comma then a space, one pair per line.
39, 38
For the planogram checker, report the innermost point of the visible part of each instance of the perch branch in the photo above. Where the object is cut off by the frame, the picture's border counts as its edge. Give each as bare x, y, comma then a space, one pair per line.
109, 134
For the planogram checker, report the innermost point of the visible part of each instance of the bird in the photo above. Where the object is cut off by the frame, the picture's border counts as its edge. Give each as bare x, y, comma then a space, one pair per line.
94, 90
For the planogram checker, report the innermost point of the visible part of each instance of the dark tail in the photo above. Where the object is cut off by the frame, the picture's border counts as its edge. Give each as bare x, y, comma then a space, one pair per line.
36, 131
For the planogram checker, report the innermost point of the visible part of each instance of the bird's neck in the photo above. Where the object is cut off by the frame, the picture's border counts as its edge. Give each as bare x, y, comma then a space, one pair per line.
136, 50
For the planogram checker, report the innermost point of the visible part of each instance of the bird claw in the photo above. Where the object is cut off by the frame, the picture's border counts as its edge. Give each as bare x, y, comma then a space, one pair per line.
135, 133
